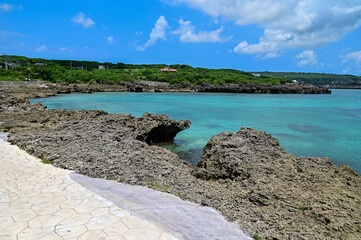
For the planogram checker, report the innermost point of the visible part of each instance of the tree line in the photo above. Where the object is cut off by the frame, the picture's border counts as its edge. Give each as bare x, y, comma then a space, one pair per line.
73, 71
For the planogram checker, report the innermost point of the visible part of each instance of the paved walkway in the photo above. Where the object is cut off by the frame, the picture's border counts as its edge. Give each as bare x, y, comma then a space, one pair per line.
39, 201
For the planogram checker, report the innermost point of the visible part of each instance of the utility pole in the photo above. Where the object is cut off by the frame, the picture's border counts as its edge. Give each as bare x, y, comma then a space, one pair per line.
6, 63
71, 65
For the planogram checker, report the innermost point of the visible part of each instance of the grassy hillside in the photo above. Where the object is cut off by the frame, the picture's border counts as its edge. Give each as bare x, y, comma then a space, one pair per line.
315, 78
87, 71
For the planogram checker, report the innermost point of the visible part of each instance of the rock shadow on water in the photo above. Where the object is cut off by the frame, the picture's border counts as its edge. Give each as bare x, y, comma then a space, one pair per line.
349, 112
310, 129
213, 126
192, 155
284, 136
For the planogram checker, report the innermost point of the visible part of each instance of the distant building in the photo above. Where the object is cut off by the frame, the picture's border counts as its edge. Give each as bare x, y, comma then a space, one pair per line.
39, 64
256, 75
101, 67
14, 64
167, 70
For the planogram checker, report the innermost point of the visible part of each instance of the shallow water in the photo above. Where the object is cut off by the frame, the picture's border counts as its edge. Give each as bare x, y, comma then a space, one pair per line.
306, 125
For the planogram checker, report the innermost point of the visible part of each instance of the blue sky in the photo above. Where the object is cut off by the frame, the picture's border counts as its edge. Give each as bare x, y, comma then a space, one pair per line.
249, 35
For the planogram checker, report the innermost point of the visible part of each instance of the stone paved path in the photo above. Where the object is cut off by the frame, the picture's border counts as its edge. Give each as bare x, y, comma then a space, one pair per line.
39, 201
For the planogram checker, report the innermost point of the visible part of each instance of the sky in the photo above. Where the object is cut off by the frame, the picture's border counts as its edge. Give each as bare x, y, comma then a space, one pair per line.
249, 35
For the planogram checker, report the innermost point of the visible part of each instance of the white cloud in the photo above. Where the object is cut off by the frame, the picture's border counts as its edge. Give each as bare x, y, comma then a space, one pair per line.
66, 49
354, 56
270, 55
304, 24
110, 40
353, 62
307, 59
4, 34
6, 7
41, 48
81, 19
158, 32
187, 34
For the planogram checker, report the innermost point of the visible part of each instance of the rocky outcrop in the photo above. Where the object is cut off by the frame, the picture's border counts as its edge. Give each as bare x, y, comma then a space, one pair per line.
235, 155
300, 192
151, 128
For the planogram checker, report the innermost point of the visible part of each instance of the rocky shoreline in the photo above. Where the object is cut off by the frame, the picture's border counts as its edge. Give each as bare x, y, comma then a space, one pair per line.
45, 89
245, 175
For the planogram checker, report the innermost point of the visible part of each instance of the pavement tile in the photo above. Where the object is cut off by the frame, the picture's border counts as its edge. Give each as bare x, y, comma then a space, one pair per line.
39, 201
43, 233
25, 216
45, 221
68, 231
142, 234
116, 229
102, 222
134, 222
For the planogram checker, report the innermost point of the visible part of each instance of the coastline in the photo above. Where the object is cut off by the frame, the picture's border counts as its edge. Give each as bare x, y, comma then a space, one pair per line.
242, 195
38, 89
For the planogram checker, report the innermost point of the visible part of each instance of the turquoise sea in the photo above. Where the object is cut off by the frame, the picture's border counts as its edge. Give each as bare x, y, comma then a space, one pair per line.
306, 125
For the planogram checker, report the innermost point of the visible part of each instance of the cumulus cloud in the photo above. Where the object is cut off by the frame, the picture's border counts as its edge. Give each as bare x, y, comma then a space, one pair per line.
353, 62
187, 34
41, 48
287, 23
81, 19
158, 32
307, 59
110, 40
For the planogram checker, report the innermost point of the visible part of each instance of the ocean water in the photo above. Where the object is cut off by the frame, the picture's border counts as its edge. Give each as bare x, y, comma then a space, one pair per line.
306, 125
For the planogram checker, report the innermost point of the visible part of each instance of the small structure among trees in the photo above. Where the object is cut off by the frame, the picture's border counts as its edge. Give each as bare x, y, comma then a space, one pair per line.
167, 69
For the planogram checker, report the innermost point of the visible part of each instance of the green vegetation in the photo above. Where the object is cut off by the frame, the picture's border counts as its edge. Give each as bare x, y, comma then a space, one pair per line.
46, 161
257, 237
156, 186
87, 71
315, 78
303, 208
72, 71
113, 178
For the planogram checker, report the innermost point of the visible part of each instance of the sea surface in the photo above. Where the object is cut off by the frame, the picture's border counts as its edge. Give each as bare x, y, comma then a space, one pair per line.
306, 125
